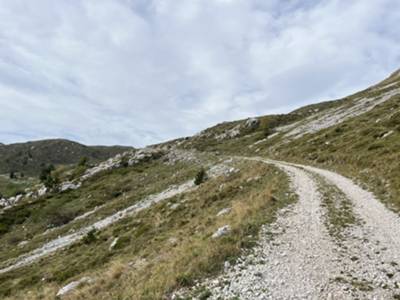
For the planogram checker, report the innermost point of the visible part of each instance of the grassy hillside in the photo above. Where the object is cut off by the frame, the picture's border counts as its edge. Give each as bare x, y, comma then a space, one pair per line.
170, 245
363, 147
162, 248
29, 158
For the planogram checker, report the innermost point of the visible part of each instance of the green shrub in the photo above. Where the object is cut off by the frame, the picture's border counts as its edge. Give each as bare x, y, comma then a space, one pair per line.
200, 177
83, 161
90, 237
59, 218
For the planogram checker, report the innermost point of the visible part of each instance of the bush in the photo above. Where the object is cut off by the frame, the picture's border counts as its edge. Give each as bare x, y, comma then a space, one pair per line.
59, 218
46, 178
200, 177
83, 161
90, 237
45, 172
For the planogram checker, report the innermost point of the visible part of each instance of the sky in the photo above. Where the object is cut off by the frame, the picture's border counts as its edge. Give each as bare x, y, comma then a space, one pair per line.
137, 72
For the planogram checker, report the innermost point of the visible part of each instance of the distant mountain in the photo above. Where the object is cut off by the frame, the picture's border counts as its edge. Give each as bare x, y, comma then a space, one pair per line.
30, 157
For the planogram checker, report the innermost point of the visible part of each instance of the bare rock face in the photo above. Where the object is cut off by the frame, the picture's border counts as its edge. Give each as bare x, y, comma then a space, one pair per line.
65, 186
145, 154
131, 158
252, 123
229, 134
7, 203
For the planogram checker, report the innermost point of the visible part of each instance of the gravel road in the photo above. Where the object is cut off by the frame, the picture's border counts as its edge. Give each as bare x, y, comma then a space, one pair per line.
298, 258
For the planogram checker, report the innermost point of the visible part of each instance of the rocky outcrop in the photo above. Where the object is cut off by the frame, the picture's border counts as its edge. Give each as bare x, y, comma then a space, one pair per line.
65, 186
6, 203
252, 123
73, 285
126, 159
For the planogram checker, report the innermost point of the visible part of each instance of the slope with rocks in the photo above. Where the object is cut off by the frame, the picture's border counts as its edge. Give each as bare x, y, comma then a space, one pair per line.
29, 158
301, 256
136, 226
121, 218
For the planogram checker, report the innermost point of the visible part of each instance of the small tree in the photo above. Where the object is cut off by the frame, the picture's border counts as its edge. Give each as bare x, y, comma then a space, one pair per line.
12, 175
83, 161
90, 237
200, 177
46, 178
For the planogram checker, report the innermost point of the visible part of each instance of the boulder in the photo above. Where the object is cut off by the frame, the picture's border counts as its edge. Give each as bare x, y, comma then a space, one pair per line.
224, 230
252, 123
65, 186
224, 211
113, 244
73, 285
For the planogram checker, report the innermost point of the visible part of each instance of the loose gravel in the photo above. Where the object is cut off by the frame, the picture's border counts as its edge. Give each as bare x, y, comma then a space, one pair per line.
297, 257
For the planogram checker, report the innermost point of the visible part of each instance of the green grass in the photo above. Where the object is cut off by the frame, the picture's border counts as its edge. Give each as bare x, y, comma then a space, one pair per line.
356, 148
148, 237
339, 210
12, 187
114, 189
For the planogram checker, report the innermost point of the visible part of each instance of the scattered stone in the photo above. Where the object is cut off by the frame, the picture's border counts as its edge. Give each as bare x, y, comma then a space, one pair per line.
22, 244
174, 206
113, 244
42, 191
224, 211
387, 134
173, 241
224, 230
73, 285
65, 186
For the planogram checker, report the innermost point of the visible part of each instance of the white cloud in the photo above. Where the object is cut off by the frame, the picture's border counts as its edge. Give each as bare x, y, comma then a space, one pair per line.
137, 72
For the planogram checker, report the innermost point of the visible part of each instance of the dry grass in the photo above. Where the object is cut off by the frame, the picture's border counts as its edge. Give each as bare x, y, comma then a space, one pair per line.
175, 246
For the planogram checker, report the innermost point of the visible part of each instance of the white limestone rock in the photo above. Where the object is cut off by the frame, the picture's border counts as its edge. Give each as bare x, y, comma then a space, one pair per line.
224, 211
73, 285
224, 230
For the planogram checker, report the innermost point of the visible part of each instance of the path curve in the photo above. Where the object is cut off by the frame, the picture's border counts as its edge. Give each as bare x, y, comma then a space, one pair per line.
304, 260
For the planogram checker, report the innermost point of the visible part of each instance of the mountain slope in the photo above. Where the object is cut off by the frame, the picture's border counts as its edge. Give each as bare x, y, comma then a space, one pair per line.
30, 157
244, 231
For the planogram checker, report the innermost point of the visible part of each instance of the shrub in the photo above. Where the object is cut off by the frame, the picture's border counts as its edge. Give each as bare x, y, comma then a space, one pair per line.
200, 177
46, 177
90, 237
59, 218
83, 161
45, 172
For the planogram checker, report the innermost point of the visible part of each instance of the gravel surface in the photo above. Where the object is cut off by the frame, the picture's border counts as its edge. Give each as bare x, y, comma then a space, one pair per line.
297, 258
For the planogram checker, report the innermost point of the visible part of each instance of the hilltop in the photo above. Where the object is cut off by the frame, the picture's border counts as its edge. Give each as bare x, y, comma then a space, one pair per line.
31, 157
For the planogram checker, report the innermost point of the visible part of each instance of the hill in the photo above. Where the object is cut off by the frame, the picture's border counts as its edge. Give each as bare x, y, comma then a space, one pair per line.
31, 157
300, 205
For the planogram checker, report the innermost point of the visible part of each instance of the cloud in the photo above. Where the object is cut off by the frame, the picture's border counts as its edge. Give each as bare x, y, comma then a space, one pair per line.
136, 72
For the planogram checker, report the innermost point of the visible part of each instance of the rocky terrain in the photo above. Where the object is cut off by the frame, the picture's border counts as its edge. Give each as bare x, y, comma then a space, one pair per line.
296, 257
297, 206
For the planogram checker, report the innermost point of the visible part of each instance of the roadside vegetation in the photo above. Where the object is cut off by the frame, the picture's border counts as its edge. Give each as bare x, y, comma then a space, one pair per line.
365, 148
165, 247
